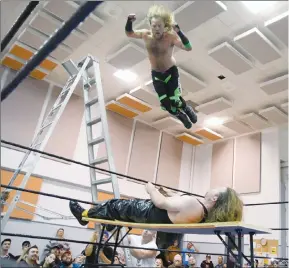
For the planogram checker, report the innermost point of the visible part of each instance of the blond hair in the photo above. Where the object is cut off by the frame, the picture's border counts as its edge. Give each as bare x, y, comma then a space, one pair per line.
159, 11
228, 207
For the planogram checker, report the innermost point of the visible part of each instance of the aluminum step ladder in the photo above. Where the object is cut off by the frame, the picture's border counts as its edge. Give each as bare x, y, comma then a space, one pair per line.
94, 102
40, 140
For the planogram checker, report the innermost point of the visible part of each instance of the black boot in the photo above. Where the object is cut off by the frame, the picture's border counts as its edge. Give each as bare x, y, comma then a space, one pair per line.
191, 114
184, 119
77, 210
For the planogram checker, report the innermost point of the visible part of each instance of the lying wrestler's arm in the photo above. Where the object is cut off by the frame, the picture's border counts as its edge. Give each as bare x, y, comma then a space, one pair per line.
173, 203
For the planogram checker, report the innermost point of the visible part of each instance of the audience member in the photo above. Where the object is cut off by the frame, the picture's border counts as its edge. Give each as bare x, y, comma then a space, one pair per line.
80, 259
31, 258
177, 263
25, 246
5, 246
105, 254
189, 249
49, 262
207, 263
159, 263
170, 255
144, 258
191, 262
220, 262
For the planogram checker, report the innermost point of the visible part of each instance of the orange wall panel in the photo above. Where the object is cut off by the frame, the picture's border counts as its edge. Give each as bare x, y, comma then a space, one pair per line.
33, 183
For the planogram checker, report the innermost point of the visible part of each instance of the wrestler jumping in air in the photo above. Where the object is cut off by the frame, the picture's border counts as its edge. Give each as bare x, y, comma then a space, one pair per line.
219, 205
160, 41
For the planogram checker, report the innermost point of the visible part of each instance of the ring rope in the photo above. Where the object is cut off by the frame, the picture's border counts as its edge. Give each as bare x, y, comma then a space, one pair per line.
122, 246
91, 166
51, 44
119, 174
78, 200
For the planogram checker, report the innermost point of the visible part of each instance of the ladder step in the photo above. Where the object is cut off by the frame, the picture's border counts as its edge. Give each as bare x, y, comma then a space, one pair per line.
102, 181
54, 109
90, 83
91, 102
94, 121
99, 161
96, 141
47, 125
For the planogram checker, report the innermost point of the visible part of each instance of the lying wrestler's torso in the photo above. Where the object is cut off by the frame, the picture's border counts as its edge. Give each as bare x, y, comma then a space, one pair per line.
190, 212
160, 51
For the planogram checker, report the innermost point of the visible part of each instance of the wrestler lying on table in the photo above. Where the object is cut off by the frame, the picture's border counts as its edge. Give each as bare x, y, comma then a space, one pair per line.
219, 205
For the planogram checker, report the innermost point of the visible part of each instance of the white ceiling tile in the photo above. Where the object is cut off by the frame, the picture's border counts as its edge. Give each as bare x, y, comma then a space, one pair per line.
276, 85
230, 58
237, 126
214, 106
258, 46
274, 115
254, 121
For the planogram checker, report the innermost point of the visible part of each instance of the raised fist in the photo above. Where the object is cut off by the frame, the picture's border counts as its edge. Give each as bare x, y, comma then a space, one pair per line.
132, 17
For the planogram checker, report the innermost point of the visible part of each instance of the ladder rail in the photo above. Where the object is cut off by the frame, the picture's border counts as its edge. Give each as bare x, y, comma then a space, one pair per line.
43, 144
34, 141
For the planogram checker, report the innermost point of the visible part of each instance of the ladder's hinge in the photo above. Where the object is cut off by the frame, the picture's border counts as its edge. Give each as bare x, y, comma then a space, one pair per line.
102, 181
94, 121
90, 63
99, 161
96, 141
91, 102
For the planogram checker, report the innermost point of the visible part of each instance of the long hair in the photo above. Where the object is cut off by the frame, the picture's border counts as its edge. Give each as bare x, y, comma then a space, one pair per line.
228, 207
159, 11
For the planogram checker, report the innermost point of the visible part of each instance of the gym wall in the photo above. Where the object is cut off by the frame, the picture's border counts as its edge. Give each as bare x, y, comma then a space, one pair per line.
141, 151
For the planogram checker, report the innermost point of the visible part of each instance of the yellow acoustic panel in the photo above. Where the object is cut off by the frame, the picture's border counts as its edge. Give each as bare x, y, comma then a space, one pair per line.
21, 52
17, 65
118, 108
48, 65
134, 103
11, 63
208, 134
189, 139
37, 74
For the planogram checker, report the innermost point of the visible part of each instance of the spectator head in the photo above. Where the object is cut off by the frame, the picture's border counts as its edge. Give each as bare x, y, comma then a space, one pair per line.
60, 233
66, 258
176, 243
26, 244
220, 260
189, 245
159, 263
50, 258
105, 236
5, 244
208, 258
55, 249
224, 265
32, 254
191, 261
148, 235
178, 260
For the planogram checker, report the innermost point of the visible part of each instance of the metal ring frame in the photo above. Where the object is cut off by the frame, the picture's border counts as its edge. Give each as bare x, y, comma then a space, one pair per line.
44, 51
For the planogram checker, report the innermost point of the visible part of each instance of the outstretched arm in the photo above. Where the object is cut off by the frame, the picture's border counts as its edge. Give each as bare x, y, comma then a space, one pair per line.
138, 34
181, 41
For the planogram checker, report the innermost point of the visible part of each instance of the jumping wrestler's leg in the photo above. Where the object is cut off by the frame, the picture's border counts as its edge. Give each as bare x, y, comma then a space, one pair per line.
175, 95
132, 210
160, 85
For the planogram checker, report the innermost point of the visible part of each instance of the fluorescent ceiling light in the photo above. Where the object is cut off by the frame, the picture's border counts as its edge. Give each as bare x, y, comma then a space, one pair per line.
214, 122
125, 75
258, 6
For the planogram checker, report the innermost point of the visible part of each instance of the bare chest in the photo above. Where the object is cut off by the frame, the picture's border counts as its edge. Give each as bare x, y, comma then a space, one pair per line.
158, 47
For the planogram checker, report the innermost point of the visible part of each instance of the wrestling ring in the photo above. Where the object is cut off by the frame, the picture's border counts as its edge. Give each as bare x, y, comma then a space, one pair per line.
228, 229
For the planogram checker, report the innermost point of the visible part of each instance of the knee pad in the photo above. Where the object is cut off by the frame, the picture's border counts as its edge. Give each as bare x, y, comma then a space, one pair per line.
166, 104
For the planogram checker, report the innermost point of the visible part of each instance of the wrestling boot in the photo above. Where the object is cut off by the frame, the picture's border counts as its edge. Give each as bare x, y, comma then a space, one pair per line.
77, 211
191, 114
184, 119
